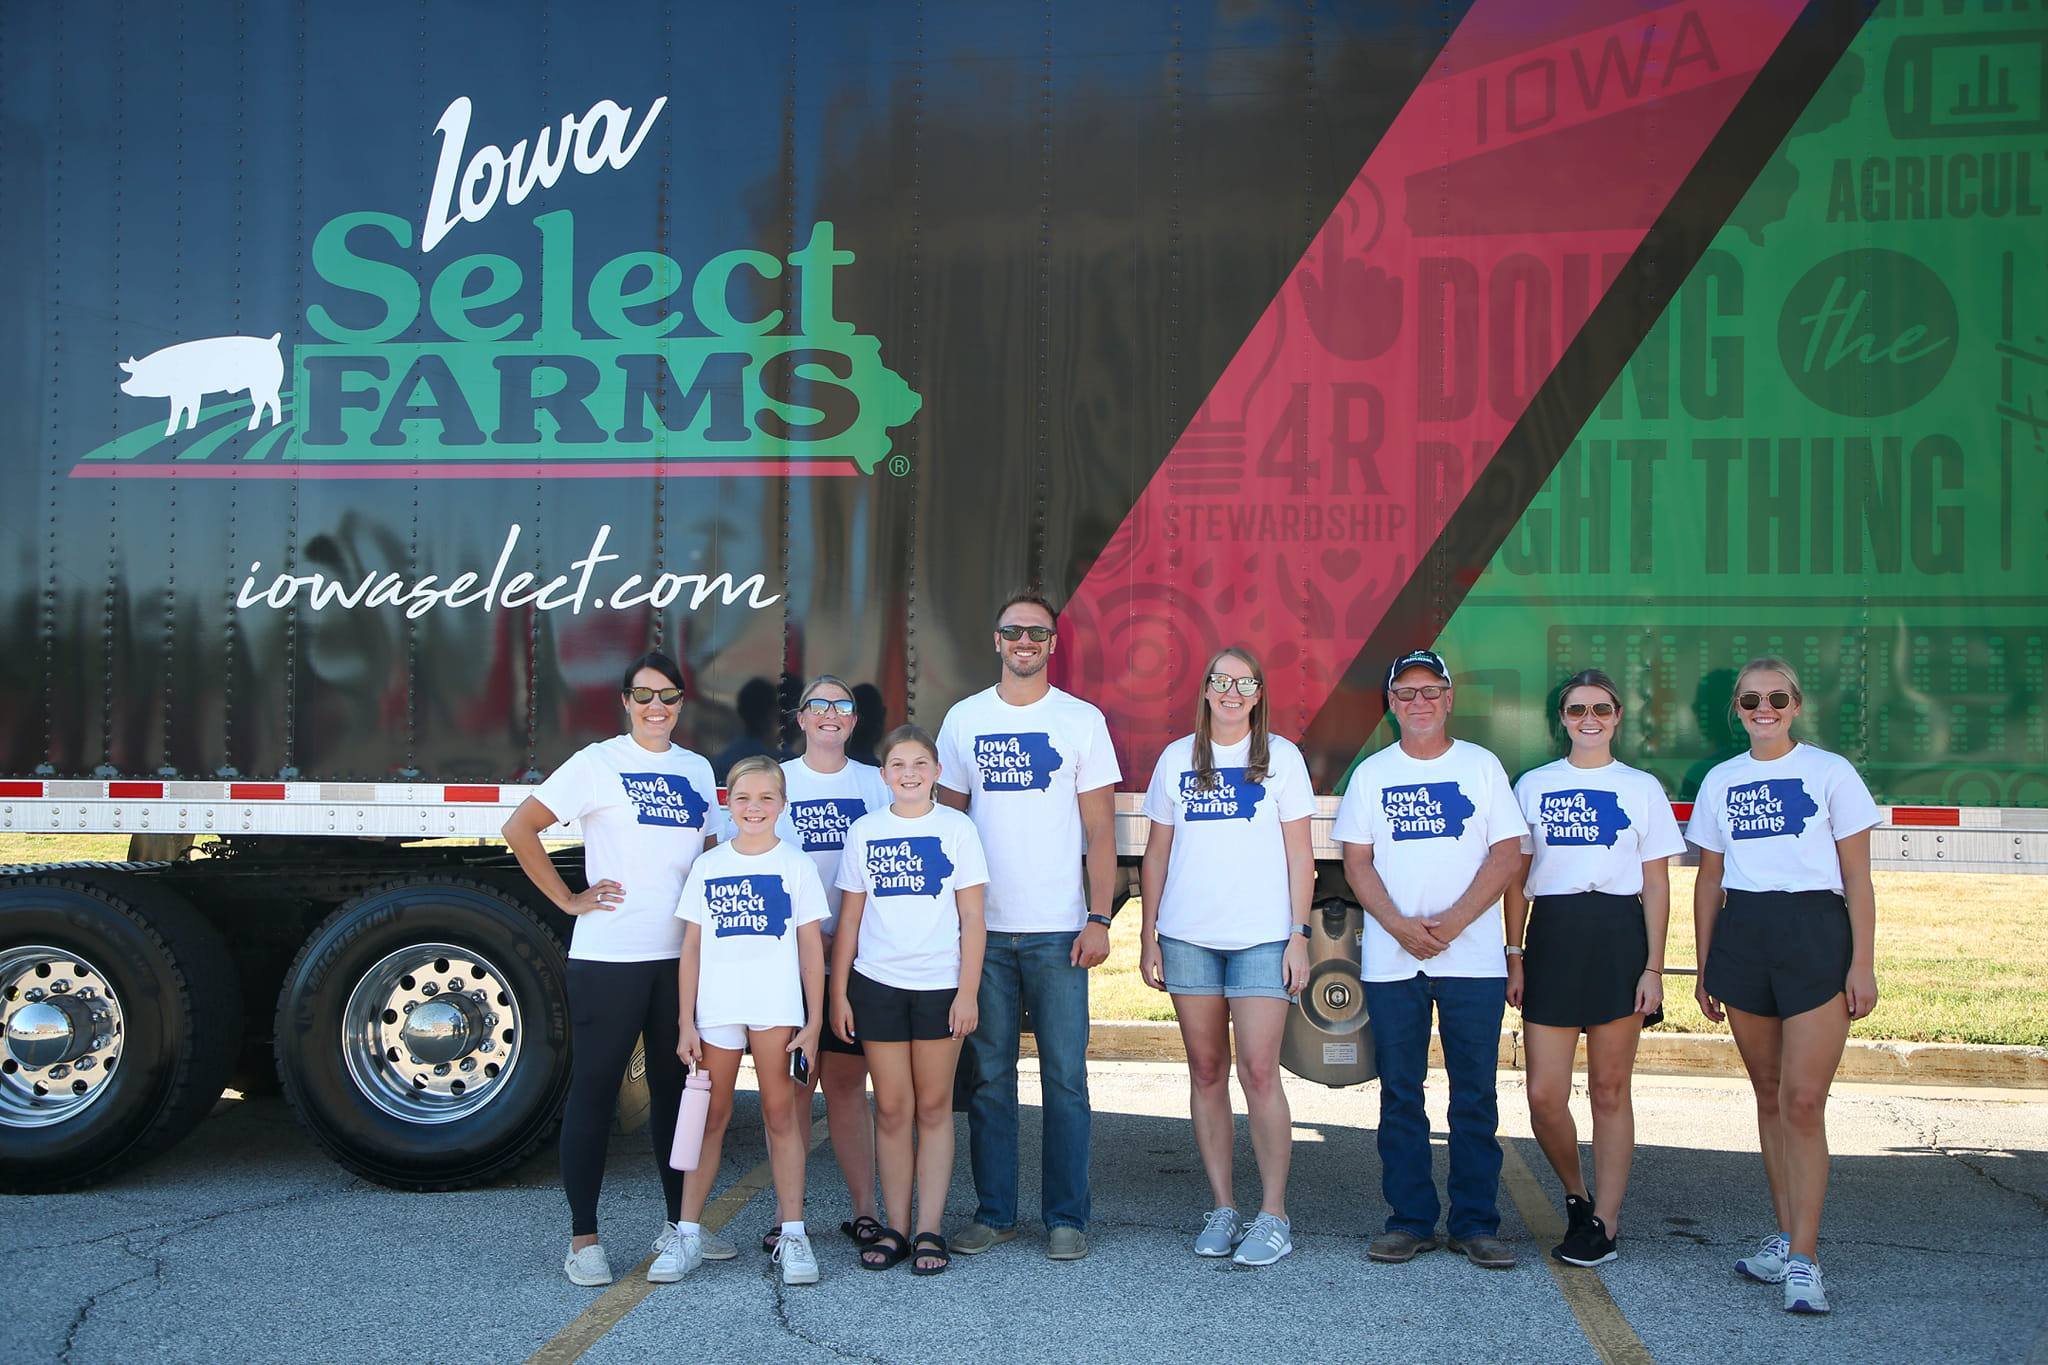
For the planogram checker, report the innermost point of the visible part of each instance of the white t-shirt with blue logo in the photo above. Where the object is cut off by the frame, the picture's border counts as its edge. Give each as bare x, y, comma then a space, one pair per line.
644, 816
749, 906
1776, 823
1226, 873
1023, 769
1592, 829
1431, 823
822, 807
911, 872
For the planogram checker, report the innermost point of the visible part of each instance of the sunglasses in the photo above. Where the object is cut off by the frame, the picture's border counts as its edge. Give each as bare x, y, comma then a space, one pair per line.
825, 706
642, 695
1039, 634
1221, 683
1578, 709
1749, 701
1411, 693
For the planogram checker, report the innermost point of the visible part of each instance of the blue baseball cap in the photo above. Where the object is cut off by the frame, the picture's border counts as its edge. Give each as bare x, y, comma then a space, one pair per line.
1418, 658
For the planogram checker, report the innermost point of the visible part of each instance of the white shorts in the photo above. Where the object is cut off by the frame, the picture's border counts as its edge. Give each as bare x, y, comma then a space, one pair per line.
732, 1037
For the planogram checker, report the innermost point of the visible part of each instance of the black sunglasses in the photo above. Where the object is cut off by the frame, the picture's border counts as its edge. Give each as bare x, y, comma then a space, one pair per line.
825, 706
1749, 701
642, 695
1039, 634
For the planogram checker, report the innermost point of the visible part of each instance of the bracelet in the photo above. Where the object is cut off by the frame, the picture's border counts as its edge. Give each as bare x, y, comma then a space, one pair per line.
1102, 920
1513, 950
1657, 970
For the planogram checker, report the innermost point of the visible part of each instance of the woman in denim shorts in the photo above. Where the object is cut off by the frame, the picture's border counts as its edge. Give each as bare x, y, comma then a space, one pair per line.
1227, 877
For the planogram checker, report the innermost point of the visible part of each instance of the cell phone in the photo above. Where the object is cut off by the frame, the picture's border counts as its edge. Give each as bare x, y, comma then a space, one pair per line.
799, 1067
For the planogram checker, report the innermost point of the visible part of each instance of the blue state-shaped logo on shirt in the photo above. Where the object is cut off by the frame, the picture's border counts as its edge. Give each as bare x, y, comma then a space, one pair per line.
1426, 810
1016, 763
1767, 809
1232, 798
821, 824
665, 799
1582, 817
755, 904
914, 866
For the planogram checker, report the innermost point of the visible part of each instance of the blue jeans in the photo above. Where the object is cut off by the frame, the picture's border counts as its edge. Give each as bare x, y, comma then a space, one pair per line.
1034, 970
1468, 1010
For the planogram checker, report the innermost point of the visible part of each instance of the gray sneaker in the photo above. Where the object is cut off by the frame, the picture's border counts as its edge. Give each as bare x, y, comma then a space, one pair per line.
716, 1248
588, 1267
1220, 1232
1766, 1265
1265, 1241
1804, 1292
1392, 1248
976, 1238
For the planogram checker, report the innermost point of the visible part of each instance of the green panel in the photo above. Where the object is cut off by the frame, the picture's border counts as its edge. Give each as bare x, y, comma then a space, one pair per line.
1833, 447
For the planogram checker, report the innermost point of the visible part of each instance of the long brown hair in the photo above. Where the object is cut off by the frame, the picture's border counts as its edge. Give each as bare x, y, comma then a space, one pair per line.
1260, 757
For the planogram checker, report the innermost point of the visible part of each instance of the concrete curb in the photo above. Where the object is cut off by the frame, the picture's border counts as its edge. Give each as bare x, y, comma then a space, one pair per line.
1679, 1054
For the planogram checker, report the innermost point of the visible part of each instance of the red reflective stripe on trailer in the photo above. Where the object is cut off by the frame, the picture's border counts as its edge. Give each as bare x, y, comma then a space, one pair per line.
1683, 810
486, 795
1926, 815
134, 791
256, 791
31, 789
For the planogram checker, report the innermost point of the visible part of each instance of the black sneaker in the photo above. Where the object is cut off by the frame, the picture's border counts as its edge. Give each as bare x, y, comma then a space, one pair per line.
1578, 1214
1588, 1244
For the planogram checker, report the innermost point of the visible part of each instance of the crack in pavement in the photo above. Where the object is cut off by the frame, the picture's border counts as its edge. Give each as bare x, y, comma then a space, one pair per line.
1930, 1137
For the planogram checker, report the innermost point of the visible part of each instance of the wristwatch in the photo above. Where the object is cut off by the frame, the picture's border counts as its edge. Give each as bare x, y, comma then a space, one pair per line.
1301, 929
1102, 920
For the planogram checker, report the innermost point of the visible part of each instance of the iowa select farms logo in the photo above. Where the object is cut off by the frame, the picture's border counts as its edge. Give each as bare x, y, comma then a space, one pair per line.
543, 365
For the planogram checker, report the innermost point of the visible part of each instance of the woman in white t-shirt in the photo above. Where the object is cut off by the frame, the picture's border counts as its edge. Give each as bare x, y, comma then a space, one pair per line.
644, 805
827, 793
1786, 920
751, 979
906, 984
1595, 865
1227, 877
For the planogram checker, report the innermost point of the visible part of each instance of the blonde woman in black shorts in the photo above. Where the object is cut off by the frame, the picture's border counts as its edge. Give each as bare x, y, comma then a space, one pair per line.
1786, 920
1595, 866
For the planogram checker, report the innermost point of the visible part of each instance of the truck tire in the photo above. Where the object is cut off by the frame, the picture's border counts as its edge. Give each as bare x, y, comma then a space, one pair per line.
120, 1013
423, 1035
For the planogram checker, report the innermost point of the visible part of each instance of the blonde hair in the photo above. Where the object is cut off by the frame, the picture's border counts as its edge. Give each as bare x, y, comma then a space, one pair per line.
907, 734
1766, 663
757, 763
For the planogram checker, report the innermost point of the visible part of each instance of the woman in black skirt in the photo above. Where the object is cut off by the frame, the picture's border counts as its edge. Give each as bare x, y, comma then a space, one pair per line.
1595, 867
1786, 918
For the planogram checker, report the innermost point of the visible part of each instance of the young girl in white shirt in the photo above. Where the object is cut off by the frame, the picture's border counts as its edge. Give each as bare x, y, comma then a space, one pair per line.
1786, 920
752, 978
906, 980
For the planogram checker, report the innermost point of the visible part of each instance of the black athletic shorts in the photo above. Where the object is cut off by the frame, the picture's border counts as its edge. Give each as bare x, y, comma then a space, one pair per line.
1583, 957
890, 1014
1779, 953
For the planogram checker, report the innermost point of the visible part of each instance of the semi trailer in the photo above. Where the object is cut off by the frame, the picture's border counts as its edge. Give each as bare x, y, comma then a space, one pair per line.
378, 378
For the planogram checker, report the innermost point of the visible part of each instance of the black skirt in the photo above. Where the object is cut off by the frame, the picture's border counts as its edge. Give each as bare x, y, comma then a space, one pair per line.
1583, 957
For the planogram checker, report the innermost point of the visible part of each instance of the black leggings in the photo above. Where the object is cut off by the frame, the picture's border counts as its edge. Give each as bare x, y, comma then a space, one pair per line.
611, 1004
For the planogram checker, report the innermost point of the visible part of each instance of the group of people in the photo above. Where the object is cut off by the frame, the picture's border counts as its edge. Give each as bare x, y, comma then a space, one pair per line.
861, 926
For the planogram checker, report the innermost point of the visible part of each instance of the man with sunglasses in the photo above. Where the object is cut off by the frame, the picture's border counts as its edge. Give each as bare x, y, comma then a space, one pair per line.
1035, 769
1431, 835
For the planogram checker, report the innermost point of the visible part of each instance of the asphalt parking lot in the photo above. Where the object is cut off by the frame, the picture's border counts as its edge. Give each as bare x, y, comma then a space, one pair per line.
246, 1244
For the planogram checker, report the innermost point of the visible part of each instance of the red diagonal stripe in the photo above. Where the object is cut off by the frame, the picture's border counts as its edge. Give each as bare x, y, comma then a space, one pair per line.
1402, 349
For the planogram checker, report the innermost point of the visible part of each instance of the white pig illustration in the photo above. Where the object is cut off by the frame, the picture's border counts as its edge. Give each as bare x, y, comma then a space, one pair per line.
185, 372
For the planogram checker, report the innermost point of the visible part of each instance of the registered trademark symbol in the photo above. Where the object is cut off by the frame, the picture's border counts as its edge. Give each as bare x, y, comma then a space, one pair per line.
899, 465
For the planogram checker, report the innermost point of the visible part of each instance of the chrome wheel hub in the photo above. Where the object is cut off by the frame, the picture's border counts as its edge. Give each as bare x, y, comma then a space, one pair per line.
62, 1030
431, 1033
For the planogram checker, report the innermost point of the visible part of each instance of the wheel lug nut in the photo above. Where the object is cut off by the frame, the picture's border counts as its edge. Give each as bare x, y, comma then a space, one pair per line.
430, 989
441, 1068
34, 994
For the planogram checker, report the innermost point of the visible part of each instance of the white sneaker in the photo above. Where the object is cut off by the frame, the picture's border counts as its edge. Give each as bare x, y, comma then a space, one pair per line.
588, 1266
1766, 1265
799, 1266
1804, 1292
675, 1255
1220, 1232
1265, 1241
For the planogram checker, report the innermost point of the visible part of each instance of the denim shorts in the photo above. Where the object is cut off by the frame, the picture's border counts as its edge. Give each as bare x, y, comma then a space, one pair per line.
1230, 972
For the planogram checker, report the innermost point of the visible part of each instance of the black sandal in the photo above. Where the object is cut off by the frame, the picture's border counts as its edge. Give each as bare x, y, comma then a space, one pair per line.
890, 1245
770, 1238
862, 1231
929, 1246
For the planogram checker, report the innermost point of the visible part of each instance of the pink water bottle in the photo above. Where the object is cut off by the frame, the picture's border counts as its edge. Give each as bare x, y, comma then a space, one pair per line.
690, 1117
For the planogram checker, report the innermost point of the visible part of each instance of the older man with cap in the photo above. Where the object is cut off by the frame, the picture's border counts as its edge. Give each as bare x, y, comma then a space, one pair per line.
1431, 835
